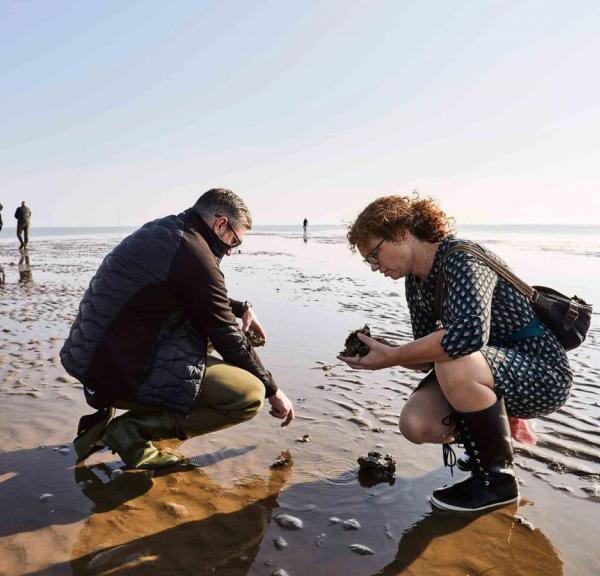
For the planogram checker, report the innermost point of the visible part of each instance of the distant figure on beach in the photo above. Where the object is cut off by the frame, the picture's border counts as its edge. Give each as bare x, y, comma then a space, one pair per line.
1, 224
23, 216
305, 224
145, 330
489, 359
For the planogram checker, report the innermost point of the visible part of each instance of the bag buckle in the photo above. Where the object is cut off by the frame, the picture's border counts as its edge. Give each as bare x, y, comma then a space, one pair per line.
571, 315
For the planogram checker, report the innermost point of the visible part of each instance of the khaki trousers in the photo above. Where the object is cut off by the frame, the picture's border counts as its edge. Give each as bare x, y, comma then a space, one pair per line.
229, 396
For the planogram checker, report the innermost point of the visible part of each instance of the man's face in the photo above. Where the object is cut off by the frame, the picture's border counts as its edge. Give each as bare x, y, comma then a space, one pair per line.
229, 234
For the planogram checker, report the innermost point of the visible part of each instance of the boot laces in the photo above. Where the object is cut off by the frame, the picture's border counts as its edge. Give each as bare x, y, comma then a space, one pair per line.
449, 457
447, 452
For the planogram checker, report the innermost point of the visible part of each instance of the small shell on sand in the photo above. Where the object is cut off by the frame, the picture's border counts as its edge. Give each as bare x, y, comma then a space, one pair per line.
289, 522
280, 572
46, 498
334, 520
593, 491
351, 524
177, 510
283, 460
280, 543
524, 522
362, 550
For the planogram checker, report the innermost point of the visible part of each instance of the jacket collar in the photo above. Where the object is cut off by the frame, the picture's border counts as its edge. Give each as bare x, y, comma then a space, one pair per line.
216, 245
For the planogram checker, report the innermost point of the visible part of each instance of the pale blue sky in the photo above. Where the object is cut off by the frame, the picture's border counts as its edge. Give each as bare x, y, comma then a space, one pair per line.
126, 111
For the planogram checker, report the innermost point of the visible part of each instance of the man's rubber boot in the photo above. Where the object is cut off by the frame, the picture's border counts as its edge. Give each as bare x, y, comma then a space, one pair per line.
131, 434
486, 437
89, 432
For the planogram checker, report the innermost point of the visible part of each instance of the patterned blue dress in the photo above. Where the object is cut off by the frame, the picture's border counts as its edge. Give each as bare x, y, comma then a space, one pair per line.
483, 312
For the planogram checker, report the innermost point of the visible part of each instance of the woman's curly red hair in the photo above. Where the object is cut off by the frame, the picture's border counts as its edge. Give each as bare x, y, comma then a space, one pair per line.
391, 217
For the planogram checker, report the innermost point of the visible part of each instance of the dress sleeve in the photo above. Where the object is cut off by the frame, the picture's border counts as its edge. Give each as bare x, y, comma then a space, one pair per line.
466, 310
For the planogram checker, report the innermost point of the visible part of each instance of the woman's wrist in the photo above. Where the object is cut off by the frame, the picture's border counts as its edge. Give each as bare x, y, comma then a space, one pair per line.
396, 356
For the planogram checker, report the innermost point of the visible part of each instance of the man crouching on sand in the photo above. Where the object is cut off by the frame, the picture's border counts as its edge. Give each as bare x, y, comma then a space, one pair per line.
141, 338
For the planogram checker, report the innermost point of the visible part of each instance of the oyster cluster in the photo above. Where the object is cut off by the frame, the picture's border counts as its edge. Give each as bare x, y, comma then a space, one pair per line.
353, 346
378, 466
255, 340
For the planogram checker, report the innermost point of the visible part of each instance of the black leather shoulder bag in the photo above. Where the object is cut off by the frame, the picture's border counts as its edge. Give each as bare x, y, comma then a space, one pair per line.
568, 318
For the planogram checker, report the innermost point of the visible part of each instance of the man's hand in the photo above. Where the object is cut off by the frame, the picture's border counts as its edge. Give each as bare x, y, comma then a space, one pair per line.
379, 356
281, 407
250, 322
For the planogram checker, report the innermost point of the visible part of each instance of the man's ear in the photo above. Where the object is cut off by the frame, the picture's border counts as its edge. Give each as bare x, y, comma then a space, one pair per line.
217, 223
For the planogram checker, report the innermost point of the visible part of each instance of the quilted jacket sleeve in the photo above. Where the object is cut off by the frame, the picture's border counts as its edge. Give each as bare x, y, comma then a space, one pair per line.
198, 283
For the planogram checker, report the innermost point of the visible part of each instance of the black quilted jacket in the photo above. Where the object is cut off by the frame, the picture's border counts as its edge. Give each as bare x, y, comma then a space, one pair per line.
143, 324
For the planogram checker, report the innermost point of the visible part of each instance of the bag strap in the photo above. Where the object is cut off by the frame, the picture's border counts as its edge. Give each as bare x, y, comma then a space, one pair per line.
527, 290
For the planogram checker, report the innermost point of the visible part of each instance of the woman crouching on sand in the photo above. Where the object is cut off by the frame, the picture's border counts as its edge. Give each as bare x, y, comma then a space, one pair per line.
488, 358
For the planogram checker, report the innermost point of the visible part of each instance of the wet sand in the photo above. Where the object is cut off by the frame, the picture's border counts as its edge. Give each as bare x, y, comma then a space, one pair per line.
221, 518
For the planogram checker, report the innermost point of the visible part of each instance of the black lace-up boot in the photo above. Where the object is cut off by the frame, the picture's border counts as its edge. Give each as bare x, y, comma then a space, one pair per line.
464, 463
486, 437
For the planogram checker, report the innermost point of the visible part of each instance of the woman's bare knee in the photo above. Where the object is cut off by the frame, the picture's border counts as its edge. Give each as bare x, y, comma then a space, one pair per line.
419, 431
412, 430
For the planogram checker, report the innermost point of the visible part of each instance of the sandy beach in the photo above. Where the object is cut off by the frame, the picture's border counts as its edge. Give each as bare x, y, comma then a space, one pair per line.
224, 515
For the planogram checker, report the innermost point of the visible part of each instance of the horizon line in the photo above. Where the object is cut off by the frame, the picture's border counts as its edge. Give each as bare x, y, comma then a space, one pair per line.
53, 227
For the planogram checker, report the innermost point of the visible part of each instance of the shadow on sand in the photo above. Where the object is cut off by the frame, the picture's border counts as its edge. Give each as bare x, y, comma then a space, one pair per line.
181, 521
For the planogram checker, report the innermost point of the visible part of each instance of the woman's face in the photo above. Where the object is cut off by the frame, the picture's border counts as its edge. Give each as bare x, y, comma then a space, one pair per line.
393, 258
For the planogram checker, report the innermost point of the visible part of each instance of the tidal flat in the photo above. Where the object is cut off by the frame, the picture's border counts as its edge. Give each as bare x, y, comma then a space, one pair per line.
223, 516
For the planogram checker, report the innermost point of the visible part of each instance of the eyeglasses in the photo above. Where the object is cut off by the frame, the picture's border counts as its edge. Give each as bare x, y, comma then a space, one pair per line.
372, 258
237, 242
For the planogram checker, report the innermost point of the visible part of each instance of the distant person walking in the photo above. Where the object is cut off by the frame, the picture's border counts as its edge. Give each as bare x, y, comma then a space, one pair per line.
1, 217
23, 216
305, 224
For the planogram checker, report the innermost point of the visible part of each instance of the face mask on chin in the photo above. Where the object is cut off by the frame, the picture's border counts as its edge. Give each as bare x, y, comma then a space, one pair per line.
219, 247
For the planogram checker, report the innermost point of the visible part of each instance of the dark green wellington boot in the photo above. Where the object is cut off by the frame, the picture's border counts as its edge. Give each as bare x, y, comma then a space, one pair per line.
130, 437
89, 432
486, 437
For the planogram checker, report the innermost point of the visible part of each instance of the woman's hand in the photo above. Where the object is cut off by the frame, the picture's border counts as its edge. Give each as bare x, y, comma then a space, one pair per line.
250, 322
379, 356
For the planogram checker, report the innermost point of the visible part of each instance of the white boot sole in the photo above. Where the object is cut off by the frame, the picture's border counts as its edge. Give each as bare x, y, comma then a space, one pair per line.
443, 506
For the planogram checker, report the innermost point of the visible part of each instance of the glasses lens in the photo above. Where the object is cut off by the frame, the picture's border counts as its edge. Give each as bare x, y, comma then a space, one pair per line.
237, 240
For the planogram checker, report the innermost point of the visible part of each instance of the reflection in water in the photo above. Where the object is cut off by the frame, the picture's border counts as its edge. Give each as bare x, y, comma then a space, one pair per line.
2, 276
182, 521
25, 274
305, 236
493, 543
186, 523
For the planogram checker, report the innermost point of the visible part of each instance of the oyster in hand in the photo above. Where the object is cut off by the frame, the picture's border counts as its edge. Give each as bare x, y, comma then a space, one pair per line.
255, 340
353, 346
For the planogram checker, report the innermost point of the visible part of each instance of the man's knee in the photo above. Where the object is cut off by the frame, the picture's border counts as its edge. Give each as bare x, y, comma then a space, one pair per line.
250, 399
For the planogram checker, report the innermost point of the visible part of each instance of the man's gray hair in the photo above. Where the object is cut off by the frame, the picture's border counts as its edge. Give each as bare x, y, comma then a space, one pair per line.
225, 203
